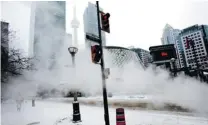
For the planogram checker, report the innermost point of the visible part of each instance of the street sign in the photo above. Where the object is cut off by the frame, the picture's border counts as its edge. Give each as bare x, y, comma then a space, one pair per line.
92, 38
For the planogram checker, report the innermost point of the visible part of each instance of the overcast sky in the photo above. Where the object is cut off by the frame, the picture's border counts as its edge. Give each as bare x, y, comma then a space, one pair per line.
136, 23
140, 23
18, 15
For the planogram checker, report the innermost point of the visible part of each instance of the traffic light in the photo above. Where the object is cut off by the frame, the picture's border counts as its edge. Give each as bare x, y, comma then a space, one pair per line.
96, 53
105, 22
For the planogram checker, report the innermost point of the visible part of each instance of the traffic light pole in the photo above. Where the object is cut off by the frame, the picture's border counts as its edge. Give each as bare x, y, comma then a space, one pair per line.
105, 99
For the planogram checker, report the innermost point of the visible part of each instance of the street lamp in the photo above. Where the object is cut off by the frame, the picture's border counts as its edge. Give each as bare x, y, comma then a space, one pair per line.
73, 51
76, 112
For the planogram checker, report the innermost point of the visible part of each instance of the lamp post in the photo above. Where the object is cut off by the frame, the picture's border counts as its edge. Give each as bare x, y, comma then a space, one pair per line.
76, 111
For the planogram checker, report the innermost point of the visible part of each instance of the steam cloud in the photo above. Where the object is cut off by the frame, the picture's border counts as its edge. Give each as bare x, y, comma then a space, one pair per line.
182, 90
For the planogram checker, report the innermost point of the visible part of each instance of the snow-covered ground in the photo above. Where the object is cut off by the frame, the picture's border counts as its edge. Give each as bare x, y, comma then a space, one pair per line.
59, 113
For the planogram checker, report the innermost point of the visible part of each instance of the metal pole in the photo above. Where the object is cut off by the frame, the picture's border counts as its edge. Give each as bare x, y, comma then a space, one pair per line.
73, 63
76, 110
174, 68
105, 99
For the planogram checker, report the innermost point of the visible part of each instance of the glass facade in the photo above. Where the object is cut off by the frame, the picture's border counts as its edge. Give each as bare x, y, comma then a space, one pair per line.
90, 23
169, 35
144, 55
5, 34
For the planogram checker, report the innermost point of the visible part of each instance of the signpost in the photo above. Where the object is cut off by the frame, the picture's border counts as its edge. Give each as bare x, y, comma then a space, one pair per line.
92, 38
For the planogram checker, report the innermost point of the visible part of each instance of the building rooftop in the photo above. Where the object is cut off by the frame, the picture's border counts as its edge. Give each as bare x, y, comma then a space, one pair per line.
191, 28
161, 47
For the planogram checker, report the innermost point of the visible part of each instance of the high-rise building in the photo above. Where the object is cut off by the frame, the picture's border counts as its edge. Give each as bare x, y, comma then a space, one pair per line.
49, 31
170, 37
68, 39
91, 23
180, 53
31, 29
4, 46
5, 34
144, 56
199, 35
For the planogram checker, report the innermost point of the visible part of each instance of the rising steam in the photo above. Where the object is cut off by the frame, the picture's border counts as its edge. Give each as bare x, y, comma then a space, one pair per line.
130, 79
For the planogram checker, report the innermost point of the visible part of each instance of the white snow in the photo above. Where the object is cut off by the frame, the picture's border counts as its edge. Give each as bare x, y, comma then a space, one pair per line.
59, 113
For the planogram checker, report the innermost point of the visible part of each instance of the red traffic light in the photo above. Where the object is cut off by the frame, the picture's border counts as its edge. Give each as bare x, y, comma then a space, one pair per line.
105, 22
96, 53
107, 15
93, 49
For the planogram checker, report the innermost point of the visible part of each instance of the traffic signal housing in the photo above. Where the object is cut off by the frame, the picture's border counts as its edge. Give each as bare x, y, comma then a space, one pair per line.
96, 53
105, 22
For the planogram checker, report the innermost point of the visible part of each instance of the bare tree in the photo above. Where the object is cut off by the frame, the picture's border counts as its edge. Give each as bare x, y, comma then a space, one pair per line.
13, 63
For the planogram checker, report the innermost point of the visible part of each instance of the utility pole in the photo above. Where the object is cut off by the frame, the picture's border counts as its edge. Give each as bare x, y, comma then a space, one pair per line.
105, 99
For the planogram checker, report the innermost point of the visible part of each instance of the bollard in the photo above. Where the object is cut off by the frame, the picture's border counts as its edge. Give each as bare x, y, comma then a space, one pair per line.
76, 112
33, 102
120, 116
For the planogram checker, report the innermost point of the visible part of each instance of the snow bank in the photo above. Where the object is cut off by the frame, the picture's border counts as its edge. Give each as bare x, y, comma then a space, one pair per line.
128, 103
